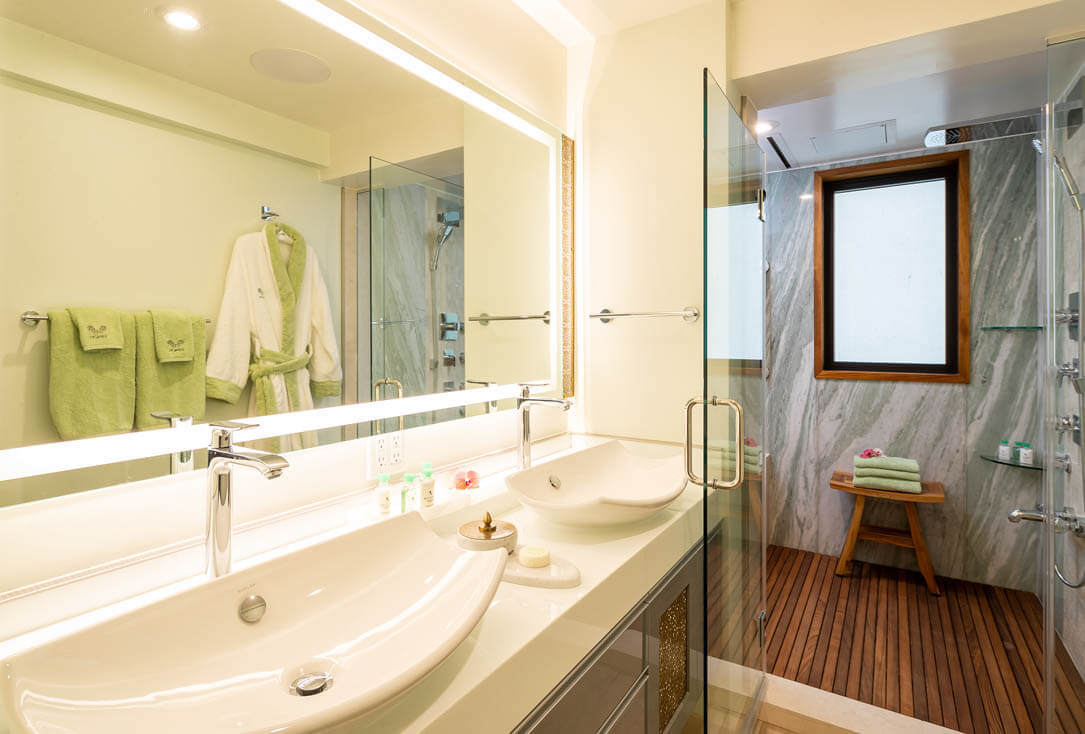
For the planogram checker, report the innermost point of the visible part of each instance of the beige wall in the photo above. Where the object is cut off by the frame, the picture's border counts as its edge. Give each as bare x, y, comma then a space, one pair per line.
641, 146
109, 208
508, 266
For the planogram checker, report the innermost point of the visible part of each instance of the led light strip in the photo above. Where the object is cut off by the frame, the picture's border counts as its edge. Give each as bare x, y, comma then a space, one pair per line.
47, 458
366, 38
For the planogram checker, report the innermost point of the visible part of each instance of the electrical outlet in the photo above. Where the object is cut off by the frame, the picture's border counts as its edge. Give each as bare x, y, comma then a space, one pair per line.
395, 450
379, 446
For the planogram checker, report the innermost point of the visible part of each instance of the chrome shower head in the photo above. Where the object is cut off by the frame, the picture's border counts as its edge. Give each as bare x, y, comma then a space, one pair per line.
1068, 181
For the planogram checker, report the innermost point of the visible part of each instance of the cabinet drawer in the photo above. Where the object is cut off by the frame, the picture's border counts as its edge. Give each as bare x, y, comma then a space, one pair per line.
633, 718
591, 694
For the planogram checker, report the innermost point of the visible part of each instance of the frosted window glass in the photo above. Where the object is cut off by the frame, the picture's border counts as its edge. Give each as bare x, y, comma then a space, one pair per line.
889, 274
735, 299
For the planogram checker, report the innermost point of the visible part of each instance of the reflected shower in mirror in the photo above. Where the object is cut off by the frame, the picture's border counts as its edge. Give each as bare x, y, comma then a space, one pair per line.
255, 216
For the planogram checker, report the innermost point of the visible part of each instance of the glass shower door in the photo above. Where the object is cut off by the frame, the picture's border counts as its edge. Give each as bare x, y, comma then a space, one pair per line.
734, 460
1063, 554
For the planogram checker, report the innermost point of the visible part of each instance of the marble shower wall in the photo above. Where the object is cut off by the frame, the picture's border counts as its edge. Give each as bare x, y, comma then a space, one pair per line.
816, 426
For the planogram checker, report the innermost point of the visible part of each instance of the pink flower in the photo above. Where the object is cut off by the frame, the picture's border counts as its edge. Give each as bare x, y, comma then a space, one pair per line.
871, 453
749, 441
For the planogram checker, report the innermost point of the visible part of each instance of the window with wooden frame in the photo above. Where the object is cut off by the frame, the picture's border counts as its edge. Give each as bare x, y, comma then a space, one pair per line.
891, 270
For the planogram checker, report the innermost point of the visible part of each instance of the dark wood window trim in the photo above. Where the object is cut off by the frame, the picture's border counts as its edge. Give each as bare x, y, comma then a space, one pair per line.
957, 273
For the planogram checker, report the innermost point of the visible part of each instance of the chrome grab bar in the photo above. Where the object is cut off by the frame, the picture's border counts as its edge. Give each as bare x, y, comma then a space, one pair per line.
377, 396
33, 318
740, 430
689, 314
485, 318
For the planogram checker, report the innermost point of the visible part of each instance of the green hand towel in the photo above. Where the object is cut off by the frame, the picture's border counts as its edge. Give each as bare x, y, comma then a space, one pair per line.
893, 485
176, 387
90, 392
907, 476
173, 335
99, 328
887, 462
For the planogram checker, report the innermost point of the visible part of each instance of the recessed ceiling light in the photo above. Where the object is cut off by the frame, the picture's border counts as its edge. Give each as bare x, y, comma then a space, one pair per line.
764, 126
181, 19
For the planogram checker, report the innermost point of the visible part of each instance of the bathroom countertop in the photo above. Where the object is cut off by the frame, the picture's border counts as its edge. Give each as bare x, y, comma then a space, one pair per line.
531, 638
528, 640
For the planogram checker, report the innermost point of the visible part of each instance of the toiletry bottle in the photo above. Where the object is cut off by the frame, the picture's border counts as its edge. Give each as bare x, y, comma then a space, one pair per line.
426, 485
406, 493
384, 494
1004, 451
1026, 454
1017, 446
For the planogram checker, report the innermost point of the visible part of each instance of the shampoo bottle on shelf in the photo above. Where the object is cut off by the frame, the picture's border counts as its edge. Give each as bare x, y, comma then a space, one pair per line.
1004, 451
1026, 454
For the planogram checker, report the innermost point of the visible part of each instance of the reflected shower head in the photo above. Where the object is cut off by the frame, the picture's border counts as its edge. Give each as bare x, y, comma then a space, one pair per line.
451, 219
1068, 181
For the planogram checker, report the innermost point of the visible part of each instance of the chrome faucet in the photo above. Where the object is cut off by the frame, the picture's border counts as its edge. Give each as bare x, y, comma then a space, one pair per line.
524, 405
221, 457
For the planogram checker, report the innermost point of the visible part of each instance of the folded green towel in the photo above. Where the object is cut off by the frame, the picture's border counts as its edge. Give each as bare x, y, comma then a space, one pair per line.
173, 335
893, 485
908, 476
99, 328
91, 392
176, 387
888, 462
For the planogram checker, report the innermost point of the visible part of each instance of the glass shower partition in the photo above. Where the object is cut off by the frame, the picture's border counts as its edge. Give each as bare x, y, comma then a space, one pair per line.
416, 274
1063, 554
734, 461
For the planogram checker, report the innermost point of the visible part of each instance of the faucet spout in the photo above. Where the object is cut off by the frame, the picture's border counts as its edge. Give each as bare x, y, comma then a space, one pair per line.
526, 403
222, 456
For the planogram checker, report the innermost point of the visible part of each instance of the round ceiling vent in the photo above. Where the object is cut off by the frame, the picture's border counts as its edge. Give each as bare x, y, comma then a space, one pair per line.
290, 65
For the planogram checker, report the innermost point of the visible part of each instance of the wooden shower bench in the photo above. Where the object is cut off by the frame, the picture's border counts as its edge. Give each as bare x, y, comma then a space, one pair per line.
911, 538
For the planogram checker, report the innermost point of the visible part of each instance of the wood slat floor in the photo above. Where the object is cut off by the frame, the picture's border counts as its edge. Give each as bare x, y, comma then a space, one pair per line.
970, 659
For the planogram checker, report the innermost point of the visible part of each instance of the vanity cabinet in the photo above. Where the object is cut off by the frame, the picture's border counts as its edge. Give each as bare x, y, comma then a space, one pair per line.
646, 675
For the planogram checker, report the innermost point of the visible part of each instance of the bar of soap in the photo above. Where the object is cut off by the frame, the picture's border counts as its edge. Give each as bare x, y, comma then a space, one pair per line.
532, 556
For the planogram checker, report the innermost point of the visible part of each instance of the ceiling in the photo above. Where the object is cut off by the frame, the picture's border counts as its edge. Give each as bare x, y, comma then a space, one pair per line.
216, 57
894, 117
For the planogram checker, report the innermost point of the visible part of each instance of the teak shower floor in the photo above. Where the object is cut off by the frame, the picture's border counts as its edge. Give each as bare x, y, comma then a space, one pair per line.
970, 659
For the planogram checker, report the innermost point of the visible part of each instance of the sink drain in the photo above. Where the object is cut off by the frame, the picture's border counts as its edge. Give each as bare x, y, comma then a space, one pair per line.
311, 684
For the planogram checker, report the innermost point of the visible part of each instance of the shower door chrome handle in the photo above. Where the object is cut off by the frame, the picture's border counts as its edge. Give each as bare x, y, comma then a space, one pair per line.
740, 430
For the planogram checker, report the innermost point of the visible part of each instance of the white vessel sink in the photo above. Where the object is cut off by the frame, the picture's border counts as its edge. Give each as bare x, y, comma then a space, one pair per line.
377, 609
604, 485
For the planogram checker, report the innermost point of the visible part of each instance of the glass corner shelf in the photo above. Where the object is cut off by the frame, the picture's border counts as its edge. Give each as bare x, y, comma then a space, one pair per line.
1011, 328
997, 460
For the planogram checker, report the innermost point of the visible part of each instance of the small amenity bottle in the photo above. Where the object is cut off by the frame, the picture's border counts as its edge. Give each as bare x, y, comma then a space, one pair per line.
1017, 446
1026, 454
406, 493
426, 485
384, 494
1004, 451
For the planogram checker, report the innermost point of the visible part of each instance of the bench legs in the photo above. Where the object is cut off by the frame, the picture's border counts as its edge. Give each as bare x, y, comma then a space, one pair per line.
922, 557
853, 537
912, 539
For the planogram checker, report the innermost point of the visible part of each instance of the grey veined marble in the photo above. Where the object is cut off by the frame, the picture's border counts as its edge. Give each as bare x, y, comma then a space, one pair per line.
816, 426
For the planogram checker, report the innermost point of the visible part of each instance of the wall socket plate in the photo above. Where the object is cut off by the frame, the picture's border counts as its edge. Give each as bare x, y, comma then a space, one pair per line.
395, 450
379, 454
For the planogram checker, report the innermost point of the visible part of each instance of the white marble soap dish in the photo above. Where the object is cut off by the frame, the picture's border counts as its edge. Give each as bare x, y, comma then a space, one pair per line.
559, 574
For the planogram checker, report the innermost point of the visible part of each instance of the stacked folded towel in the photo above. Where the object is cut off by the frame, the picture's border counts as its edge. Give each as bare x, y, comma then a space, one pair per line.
888, 472
752, 457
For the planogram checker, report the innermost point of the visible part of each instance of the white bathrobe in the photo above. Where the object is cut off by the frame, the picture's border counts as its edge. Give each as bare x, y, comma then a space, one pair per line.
274, 327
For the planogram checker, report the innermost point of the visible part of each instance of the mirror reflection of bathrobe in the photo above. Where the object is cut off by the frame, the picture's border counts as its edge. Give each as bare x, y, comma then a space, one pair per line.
274, 328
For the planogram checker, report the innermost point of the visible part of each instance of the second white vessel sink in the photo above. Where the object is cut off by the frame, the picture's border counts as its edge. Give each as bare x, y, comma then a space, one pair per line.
604, 485
353, 621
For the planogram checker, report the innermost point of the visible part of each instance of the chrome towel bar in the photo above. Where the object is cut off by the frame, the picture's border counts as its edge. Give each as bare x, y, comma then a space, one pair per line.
688, 314
33, 318
485, 318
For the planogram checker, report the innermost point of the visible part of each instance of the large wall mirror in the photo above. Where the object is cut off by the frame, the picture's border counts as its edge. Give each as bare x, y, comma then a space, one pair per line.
240, 211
